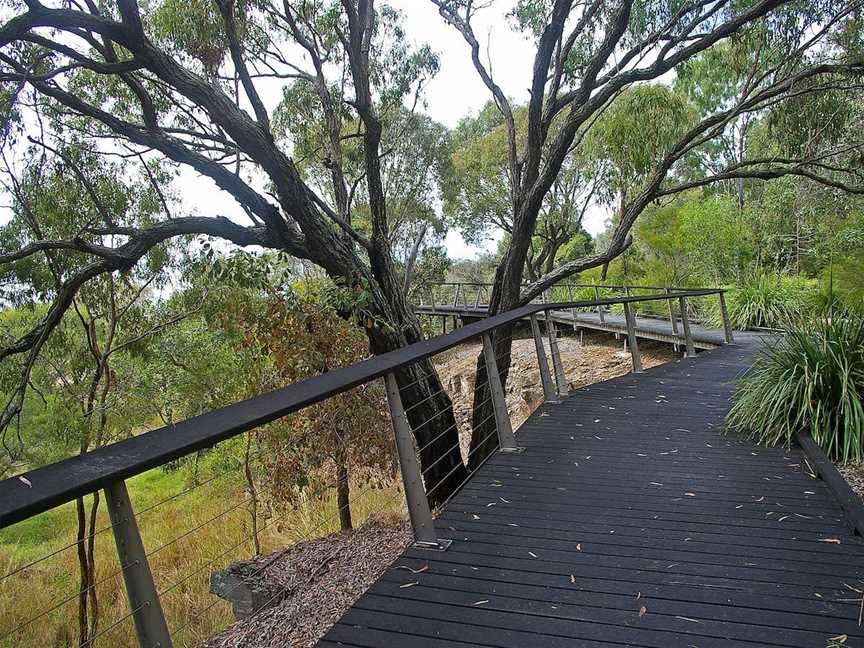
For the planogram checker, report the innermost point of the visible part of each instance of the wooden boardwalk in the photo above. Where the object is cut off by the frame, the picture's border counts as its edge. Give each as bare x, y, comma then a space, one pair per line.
648, 328
631, 520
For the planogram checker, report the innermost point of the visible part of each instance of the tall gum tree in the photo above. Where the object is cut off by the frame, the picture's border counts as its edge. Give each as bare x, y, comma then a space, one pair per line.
182, 82
588, 52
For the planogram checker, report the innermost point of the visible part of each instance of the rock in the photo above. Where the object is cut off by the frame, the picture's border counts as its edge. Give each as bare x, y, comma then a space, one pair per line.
247, 594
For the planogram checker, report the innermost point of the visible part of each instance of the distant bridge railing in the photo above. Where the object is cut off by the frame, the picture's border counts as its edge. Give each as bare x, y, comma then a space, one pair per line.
469, 298
421, 443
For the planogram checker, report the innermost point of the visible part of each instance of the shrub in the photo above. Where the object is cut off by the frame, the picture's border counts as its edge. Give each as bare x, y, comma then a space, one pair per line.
810, 379
769, 301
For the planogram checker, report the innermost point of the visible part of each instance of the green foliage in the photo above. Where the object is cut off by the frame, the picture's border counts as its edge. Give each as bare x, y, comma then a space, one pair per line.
626, 149
767, 301
811, 379
694, 239
476, 191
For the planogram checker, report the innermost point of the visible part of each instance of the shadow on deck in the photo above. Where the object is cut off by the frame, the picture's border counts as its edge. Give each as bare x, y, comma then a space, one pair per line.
632, 520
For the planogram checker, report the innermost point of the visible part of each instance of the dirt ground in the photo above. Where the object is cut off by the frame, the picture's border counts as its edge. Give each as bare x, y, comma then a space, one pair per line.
854, 474
586, 364
318, 580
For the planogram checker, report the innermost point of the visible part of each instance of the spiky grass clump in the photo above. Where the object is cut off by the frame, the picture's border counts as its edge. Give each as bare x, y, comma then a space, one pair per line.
811, 379
769, 301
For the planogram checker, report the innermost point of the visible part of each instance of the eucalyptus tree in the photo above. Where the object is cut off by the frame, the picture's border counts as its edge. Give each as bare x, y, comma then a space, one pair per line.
187, 84
477, 190
589, 52
78, 389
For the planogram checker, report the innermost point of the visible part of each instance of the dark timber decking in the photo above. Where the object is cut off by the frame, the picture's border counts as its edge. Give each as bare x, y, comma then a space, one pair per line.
631, 520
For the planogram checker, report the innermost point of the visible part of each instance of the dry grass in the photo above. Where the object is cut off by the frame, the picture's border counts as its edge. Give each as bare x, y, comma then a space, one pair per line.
181, 565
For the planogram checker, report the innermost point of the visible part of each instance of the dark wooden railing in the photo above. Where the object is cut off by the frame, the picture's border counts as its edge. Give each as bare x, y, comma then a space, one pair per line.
108, 468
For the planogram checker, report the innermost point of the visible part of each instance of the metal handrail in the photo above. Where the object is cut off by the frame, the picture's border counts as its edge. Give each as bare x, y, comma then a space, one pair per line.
583, 285
63, 481
109, 467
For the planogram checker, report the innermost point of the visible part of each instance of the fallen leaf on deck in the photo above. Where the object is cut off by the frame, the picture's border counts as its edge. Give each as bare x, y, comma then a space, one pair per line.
483, 602
412, 584
643, 611
830, 540
25, 481
413, 571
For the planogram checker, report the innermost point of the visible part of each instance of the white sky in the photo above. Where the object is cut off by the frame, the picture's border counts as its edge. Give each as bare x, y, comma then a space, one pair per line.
455, 92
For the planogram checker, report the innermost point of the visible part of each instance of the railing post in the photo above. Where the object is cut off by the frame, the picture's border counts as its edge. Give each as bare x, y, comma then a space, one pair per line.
672, 320
631, 337
557, 366
144, 603
432, 296
685, 322
456, 295
727, 325
573, 309
412, 477
545, 378
599, 307
506, 439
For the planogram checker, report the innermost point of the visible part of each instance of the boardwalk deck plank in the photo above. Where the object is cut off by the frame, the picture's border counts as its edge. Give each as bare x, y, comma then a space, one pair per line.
629, 496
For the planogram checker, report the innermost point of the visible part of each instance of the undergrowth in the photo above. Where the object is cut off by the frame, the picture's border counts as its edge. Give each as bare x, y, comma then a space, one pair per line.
809, 379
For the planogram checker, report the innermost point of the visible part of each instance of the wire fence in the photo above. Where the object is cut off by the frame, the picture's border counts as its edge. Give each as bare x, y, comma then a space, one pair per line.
220, 507
467, 296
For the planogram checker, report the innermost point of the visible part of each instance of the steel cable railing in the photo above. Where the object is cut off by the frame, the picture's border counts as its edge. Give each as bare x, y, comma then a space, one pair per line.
431, 488
433, 426
457, 296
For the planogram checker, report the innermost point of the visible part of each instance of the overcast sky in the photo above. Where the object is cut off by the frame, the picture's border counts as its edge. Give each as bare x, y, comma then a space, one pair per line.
455, 92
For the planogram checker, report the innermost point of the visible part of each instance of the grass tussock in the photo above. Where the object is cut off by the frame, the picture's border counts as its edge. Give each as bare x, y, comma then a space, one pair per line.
769, 301
810, 379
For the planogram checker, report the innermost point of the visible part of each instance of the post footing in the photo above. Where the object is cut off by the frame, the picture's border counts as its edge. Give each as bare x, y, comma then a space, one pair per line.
440, 544
516, 450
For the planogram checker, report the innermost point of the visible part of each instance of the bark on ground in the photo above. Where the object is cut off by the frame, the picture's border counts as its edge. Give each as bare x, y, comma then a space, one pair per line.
319, 580
854, 474
322, 578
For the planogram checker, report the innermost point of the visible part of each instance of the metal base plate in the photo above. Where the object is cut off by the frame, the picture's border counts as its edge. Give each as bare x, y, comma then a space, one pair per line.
439, 545
516, 450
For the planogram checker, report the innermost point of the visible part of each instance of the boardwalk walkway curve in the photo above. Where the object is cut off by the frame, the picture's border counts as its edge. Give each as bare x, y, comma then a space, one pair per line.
618, 514
631, 519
